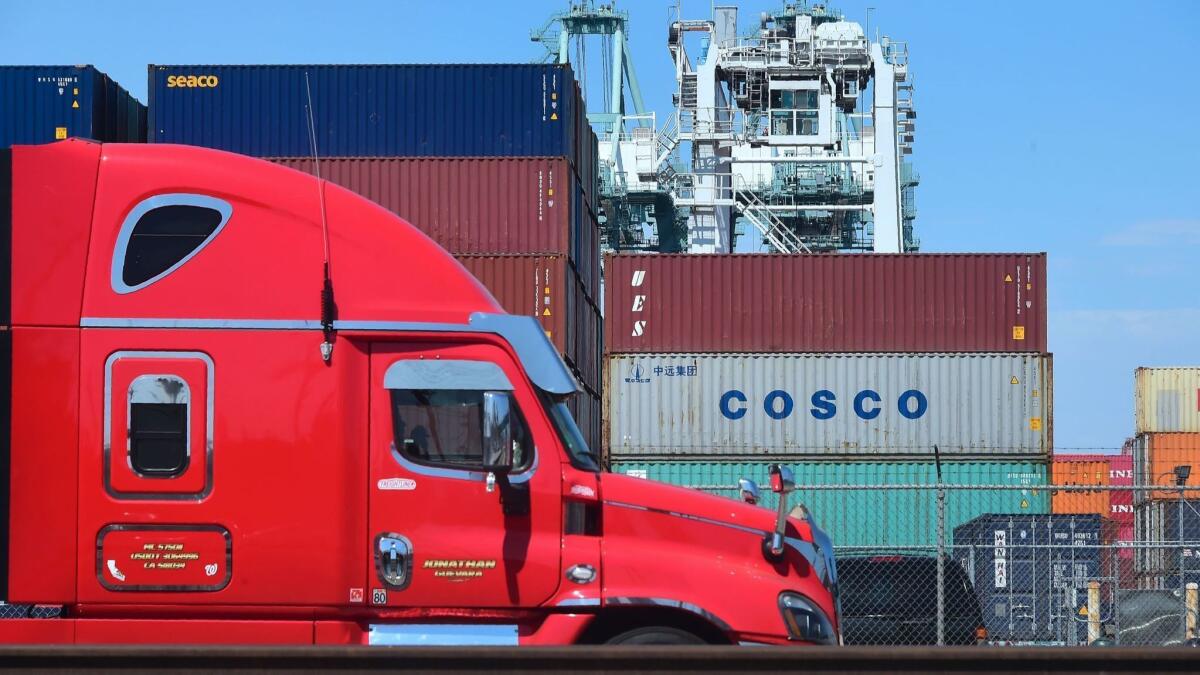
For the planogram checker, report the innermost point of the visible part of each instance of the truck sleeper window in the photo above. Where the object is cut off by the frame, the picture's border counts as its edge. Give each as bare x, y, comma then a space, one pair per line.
158, 425
445, 428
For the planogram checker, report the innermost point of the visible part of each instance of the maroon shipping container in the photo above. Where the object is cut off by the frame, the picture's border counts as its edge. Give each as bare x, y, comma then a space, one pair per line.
548, 288
825, 303
481, 205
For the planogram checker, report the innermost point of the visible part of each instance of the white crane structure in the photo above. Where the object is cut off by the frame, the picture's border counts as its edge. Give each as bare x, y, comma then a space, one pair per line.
799, 129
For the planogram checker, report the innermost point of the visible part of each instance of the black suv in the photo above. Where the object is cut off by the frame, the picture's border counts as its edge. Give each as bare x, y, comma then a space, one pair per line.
892, 600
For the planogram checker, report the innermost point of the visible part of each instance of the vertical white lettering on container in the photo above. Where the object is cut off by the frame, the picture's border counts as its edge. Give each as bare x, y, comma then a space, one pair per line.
639, 302
541, 191
1000, 558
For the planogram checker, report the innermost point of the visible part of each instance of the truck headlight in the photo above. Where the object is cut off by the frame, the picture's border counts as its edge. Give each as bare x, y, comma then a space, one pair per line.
805, 620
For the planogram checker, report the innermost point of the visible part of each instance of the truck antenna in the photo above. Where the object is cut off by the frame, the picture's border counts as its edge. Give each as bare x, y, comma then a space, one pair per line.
328, 306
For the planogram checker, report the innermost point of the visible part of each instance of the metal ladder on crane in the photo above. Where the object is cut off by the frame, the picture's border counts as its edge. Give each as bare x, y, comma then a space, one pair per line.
773, 230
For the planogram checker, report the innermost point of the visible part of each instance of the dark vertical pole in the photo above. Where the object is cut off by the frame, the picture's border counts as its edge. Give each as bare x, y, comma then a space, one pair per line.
5, 357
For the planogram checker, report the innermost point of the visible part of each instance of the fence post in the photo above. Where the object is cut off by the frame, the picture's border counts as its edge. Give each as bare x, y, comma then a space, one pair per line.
1192, 599
941, 550
1093, 607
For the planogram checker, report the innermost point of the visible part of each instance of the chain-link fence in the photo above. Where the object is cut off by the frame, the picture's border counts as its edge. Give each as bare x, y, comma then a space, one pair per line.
1001, 557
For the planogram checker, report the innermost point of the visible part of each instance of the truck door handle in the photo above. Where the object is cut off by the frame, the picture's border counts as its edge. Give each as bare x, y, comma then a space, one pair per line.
393, 560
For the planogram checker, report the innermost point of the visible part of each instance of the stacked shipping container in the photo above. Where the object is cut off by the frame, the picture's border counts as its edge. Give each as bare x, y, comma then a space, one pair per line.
43, 104
1116, 505
1166, 470
497, 163
837, 365
1031, 572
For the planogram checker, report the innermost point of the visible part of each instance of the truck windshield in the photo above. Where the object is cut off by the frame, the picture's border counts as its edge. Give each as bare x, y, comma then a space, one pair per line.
582, 457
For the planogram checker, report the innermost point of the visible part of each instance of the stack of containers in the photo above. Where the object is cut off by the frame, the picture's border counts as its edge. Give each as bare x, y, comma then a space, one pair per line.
1114, 505
1167, 520
43, 104
848, 368
497, 163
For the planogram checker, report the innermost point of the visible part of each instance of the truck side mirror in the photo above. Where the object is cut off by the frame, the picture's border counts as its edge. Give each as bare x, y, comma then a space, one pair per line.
782, 479
497, 432
749, 490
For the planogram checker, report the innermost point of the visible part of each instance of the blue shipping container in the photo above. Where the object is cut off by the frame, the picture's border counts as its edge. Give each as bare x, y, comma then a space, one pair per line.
1031, 573
43, 104
488, 110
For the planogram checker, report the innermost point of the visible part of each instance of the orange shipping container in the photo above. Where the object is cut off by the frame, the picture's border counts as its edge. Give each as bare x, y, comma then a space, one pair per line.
1155, 457
1077, 472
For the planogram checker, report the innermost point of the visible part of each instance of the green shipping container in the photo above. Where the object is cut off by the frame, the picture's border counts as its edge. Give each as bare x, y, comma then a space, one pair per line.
875, 506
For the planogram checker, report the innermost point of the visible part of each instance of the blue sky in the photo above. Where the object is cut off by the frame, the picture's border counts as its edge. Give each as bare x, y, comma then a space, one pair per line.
1061, 127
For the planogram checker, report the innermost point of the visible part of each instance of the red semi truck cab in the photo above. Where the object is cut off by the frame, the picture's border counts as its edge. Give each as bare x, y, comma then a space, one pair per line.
205, 445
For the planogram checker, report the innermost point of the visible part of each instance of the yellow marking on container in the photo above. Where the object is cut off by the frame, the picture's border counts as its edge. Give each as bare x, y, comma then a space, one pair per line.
60, 133
1083, 611
1008, 278
1014, 380
547, 291
553, 116
1029, 287
546, 312
554, 96
1035, 424
550, 334
1036, 393
550, 192
75, 91
1024, 503
1018, 332
75, 104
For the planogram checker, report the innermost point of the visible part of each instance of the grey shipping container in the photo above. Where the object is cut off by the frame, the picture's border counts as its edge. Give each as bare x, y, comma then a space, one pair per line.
828, 405
894, 508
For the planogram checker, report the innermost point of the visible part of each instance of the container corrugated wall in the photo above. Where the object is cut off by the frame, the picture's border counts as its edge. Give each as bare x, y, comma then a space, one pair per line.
1169, 528
1031, 572
833, 405
547, 288
42, 104
493, 205
1167, 400
826, 303
455, 110
1080, 473
1079, 469
1155, 457
877, 517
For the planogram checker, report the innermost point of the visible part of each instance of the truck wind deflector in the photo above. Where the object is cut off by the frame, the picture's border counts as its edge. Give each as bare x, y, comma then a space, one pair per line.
541, 360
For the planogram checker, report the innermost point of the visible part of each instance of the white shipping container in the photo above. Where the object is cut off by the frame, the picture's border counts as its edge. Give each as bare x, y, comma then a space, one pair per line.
833, 405
1166, 399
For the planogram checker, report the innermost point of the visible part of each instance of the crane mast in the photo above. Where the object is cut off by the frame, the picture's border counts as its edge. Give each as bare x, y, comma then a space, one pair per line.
794, 134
